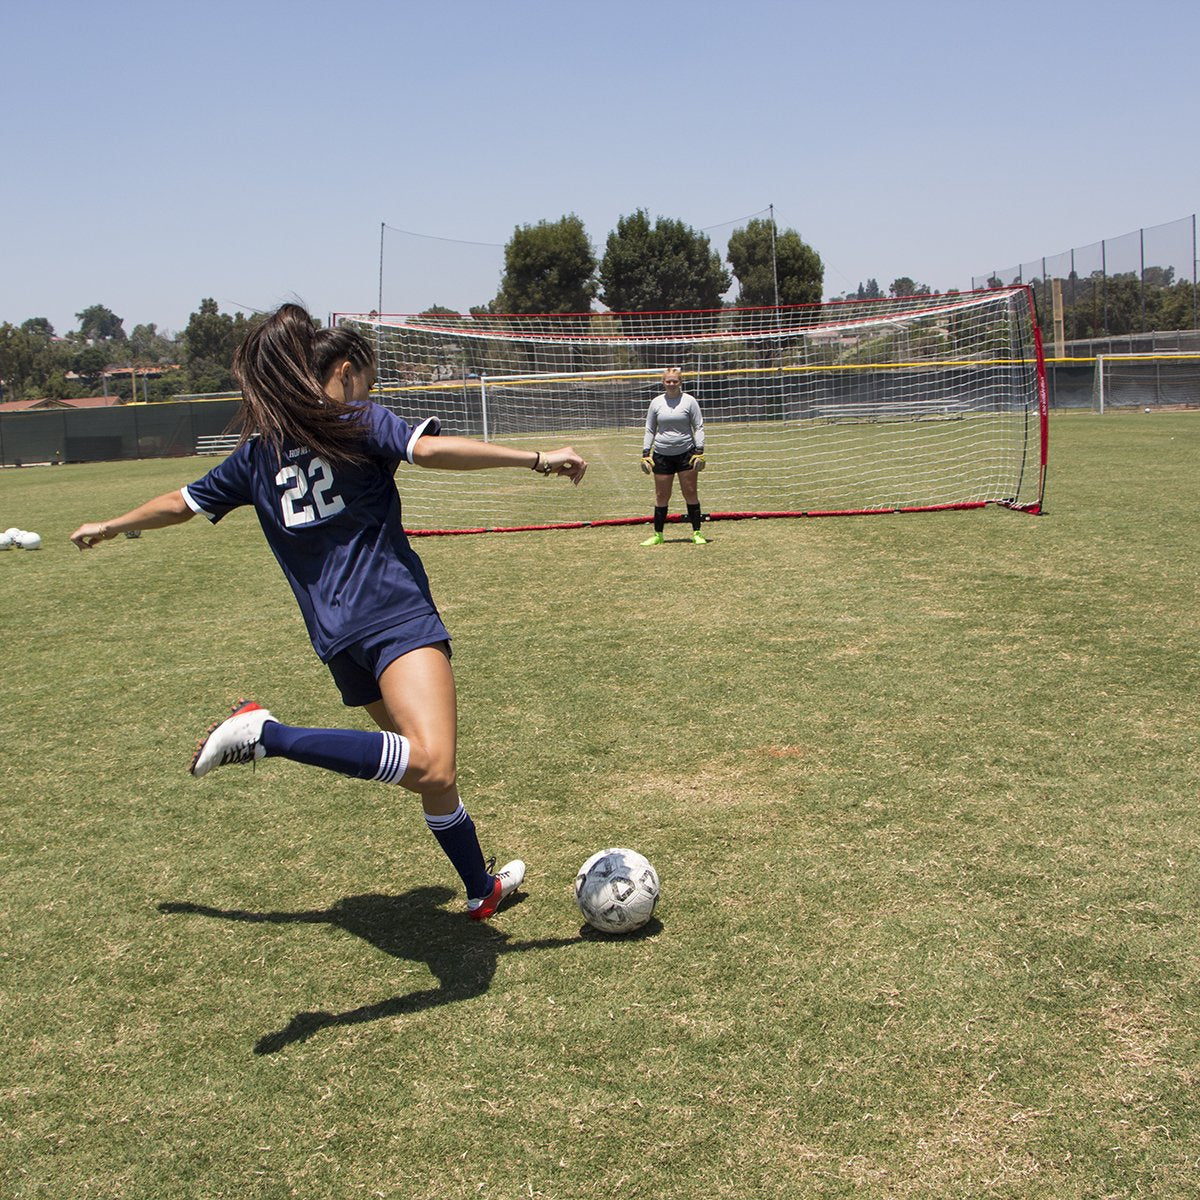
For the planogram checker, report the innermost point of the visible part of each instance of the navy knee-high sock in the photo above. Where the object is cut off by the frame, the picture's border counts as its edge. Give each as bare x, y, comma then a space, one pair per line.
455, 833
693, 512
660, 518
354, 752
381, 756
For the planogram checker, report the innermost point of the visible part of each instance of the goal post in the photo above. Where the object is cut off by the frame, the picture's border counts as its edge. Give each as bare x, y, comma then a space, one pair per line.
1168, 379
893, 405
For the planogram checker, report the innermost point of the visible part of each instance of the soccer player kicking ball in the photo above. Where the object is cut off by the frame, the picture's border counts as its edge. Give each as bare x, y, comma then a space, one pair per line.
674, 445
316, 461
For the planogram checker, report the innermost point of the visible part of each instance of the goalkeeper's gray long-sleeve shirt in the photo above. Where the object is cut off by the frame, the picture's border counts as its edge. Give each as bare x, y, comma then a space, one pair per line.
674, 426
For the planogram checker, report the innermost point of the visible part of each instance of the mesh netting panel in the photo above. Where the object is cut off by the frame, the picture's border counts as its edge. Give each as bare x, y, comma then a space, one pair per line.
1146, 380
926, 401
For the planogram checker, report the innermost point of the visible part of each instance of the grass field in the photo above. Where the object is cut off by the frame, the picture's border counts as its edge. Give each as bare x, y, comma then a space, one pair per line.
921, 789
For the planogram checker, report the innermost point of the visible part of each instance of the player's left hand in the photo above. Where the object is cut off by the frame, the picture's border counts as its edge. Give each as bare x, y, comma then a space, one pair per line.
565, 462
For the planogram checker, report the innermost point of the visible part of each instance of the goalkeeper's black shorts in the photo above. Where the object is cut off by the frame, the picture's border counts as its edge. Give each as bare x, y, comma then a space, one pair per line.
672, 464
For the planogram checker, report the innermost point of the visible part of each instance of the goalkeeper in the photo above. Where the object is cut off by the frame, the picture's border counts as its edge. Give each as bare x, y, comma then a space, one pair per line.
674, 445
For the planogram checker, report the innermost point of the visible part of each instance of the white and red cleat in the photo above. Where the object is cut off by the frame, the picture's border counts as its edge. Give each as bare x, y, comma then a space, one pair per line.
233, 740
508, 879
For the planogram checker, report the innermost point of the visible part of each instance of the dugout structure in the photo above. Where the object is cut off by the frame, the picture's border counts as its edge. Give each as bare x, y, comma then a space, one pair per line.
913, 404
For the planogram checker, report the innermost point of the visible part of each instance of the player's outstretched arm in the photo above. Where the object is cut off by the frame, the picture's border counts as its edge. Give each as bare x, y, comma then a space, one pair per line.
167, 509
467, 454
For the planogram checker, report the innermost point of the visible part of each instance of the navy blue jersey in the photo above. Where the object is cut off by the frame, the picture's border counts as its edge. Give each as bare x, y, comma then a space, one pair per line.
335, 530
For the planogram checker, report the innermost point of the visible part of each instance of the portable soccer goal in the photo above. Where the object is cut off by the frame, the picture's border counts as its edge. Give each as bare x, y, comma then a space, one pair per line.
894, 405
1168, 379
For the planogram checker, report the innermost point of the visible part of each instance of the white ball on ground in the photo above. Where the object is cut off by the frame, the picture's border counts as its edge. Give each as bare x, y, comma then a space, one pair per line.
12, 532
6, 542
616, 890
27, 540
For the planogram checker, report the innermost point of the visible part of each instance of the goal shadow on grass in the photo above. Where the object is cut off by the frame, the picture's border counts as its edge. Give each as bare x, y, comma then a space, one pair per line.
460, 953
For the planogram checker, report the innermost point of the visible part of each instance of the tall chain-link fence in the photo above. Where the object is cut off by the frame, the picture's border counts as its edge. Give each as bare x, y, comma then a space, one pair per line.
1137, 293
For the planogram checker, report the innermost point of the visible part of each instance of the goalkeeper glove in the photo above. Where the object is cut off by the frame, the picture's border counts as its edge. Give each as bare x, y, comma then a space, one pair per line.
697, 463
647, 464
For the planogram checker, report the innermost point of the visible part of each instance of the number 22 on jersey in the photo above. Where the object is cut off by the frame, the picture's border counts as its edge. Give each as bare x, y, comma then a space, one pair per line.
309, 492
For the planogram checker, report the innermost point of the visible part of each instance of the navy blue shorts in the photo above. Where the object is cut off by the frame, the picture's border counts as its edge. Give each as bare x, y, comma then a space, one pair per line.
357, 668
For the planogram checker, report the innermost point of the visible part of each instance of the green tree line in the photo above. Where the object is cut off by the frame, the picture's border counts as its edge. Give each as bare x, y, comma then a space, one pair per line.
659, 265
100, 358
1100, 305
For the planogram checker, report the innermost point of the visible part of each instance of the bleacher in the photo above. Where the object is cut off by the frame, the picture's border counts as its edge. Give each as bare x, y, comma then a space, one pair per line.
217, 443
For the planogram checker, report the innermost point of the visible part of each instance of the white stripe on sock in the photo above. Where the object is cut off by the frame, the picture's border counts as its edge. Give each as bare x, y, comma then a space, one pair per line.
393, 760
449, 820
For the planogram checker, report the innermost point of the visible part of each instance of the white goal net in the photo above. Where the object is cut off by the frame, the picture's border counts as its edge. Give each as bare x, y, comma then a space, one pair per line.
859, 406
1166, 380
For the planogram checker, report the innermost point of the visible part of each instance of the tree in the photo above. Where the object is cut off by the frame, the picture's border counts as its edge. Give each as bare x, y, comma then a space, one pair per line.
758, 265
871, 291
661, 268
89, 364
208, 335
57, 387
209, 341
100, 324
149, 346
548, 267
906, 286
38, 327
29, 357
16, 361
1121, 305
1178, 306
1152, 277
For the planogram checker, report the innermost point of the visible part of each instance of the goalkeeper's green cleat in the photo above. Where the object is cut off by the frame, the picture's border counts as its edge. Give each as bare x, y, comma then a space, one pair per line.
655, 539
699, 539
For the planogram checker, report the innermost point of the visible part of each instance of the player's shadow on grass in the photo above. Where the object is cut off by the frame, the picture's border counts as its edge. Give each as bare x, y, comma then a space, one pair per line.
460, 953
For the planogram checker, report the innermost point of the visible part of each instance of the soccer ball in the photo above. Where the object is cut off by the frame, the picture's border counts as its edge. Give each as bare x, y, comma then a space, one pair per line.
6, 542
28, 540
616, 890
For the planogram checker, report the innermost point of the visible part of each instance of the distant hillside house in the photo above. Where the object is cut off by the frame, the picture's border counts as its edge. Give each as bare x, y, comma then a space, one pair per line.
139, 372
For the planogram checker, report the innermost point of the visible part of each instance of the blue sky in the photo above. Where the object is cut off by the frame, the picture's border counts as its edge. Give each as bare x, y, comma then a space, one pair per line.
155, 154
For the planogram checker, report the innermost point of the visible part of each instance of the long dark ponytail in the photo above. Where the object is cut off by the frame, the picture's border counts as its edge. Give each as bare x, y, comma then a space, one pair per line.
282, 367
